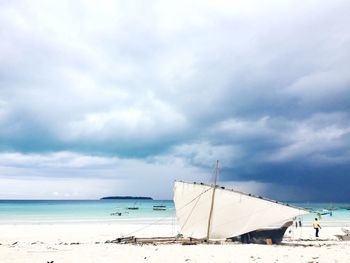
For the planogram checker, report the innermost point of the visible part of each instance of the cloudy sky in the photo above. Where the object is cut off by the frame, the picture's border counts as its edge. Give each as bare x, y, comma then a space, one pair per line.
123, 97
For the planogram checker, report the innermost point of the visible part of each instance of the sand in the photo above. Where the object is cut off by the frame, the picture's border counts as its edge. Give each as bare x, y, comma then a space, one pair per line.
85, 242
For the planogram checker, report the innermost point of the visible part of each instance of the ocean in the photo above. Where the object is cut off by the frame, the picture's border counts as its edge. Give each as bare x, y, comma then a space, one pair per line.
70, 211
49, 211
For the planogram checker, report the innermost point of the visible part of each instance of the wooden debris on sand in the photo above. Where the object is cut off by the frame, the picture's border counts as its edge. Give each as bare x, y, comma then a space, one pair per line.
157, 240
345, 237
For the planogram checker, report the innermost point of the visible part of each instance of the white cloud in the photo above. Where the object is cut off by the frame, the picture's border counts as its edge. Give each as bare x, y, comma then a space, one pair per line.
314, 139
321, 86
236, 128
150, 118
55, 160
180, 83
205, 154
64, 175
57, 188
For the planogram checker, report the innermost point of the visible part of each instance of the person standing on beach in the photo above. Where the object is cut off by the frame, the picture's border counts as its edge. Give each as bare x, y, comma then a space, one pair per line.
317, 226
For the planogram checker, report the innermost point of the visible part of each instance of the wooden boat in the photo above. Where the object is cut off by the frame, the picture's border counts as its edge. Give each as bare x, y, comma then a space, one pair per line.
116, 214
159, 207
133, 207
214, 213
263, 236
324, 212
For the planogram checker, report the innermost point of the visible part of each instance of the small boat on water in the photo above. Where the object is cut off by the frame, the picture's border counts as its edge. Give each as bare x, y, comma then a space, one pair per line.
133, 207
324, 212
159, 207
332, 208
116, 214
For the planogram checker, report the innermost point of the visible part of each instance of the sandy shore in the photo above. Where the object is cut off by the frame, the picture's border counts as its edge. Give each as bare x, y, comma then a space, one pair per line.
85, 242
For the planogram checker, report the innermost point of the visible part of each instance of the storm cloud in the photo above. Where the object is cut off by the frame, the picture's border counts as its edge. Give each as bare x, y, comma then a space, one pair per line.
131, 95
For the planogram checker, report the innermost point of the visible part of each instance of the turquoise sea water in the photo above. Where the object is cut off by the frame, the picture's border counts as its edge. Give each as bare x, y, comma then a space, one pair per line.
339, 216
23, 211
43, 211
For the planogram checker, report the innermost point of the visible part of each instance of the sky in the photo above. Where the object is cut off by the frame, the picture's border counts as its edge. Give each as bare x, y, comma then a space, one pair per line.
103, 98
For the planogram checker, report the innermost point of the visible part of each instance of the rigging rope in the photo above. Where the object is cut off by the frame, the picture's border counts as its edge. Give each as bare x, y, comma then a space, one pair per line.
161, 219
146, 226
179, 209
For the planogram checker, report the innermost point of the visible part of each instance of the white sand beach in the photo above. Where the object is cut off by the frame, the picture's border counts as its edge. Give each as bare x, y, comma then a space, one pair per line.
85, 242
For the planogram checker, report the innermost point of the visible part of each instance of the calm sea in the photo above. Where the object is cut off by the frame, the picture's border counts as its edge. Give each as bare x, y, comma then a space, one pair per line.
44, 211
23, 211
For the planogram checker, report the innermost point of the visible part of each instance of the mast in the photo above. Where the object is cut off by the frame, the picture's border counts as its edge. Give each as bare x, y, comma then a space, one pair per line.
212, 198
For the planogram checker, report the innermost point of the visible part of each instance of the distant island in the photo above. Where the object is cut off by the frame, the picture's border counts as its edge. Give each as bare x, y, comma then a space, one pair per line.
127, 197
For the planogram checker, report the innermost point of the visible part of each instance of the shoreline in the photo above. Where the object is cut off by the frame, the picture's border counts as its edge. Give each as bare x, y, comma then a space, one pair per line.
145, 220
88, 231
136, 220
87, 243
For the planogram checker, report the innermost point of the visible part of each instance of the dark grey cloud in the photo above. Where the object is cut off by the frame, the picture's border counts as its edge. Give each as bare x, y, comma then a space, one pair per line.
264, 87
